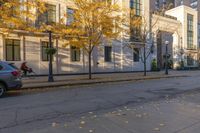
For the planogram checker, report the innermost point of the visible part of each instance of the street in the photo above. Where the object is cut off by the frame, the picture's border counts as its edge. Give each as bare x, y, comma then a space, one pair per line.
170, 105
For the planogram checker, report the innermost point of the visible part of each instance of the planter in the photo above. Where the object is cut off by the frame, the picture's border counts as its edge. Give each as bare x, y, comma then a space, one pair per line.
51, 51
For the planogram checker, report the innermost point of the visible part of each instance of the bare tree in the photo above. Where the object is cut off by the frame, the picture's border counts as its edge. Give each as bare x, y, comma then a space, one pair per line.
141, 36
141, 33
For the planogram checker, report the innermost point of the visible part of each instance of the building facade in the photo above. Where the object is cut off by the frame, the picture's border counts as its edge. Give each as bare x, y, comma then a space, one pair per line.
21, 47
177, 25
183, 40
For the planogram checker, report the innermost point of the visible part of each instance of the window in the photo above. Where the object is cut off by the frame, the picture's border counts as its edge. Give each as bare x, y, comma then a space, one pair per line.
190, 31
12, 50
51, 12
75, 54
108, 53
49, 16
11, 9
135, 33
70, 17
178, 3
45, 56
136, 6
194, 3
136, 55
135, 30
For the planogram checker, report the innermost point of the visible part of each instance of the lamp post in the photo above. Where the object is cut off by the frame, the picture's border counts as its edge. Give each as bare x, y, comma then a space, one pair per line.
182, 52
50, 76
145, 69
166, 57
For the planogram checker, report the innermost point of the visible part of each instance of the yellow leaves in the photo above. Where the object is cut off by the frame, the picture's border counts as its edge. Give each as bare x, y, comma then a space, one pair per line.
82, 122
161, 124
156, 129
94, 22
91, 131
20, 15
41, 7
136, 21
54, 124
65, 44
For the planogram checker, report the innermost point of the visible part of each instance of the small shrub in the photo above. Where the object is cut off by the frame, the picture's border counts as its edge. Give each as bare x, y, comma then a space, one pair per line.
180, 65
154, 66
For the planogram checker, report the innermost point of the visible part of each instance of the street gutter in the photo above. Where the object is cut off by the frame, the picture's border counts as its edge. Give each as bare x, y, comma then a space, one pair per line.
92, 82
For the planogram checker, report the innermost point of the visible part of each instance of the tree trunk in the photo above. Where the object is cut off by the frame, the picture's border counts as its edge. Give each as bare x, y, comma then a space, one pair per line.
145, 67
90, 65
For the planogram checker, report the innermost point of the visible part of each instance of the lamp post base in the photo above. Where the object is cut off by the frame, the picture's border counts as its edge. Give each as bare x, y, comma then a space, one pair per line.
50, 79
166, 73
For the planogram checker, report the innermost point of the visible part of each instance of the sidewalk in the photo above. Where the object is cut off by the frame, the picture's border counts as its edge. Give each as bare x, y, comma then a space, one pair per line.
72, 80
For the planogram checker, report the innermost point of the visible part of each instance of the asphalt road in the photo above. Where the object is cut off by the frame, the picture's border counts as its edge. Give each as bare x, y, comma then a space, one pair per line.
165, 105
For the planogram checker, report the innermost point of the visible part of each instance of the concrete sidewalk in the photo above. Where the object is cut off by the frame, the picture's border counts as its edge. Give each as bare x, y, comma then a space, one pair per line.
72, 80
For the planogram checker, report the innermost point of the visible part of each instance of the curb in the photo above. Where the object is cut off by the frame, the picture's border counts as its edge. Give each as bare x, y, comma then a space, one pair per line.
60, 84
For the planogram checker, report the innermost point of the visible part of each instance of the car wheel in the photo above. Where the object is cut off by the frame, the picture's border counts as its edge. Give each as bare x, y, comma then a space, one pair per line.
2, 90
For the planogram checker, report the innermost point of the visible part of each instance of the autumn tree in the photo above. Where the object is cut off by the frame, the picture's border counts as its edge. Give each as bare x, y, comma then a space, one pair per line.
94, 21
19, 14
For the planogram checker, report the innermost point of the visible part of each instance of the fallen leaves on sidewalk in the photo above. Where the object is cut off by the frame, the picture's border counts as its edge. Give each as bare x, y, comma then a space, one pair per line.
91, 131
161, 124
138, 115
156, 129
82, 122
54, 124
65, 125
126, 122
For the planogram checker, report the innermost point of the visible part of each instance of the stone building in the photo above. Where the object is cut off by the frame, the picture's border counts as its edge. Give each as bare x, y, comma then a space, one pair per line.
183, 38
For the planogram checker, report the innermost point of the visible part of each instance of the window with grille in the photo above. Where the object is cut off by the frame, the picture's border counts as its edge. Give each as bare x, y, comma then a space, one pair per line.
49, 16
190, 31
136, 55
108, 53
135, 16
75, 54
44, 46
70, 16
136, 6
12, 50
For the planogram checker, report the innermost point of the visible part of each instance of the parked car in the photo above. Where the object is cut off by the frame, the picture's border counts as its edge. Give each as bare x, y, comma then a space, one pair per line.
10, 77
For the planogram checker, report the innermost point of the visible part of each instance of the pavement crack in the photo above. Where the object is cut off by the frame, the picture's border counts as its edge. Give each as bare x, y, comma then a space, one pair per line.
189, 126
28, 121
16, 115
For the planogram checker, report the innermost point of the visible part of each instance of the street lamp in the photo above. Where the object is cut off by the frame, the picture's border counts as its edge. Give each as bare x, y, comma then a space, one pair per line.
166, 57
182, 52
50, 76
